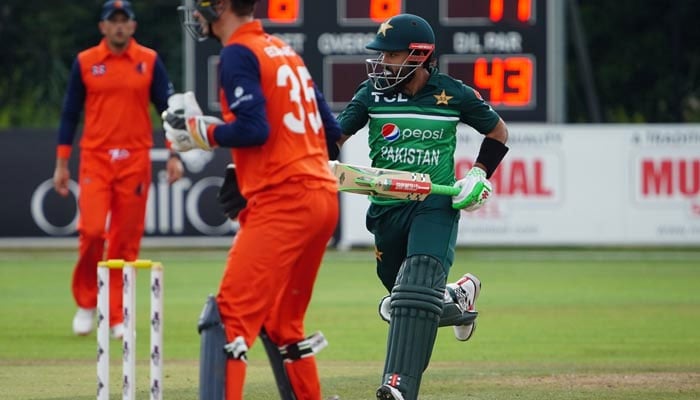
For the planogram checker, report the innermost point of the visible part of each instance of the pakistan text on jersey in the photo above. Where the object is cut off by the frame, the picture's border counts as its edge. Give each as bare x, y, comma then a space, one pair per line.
411, 156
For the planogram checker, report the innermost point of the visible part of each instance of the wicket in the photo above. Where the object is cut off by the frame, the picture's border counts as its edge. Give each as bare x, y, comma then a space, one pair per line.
129, 339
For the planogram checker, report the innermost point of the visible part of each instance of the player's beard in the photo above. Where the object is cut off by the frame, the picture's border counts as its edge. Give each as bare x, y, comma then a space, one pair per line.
399, 88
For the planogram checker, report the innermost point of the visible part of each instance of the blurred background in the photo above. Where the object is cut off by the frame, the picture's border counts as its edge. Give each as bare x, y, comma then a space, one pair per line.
602, 100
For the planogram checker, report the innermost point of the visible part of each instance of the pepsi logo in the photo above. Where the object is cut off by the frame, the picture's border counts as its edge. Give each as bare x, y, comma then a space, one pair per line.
390, 132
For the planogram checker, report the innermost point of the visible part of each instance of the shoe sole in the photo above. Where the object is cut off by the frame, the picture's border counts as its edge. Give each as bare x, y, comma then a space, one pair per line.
386, 393
471, 332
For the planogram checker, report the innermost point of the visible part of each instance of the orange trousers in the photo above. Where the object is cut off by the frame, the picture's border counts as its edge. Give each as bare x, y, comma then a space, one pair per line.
270, 274
113, 185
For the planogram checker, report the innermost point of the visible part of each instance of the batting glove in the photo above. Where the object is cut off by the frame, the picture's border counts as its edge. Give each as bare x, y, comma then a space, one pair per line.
185, 126
176, 104
186, 134
475, 190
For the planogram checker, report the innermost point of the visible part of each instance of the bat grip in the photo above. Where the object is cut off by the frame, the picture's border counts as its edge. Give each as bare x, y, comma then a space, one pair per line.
445, 190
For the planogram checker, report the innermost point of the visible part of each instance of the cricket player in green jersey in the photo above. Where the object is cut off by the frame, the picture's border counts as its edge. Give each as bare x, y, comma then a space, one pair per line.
413, 111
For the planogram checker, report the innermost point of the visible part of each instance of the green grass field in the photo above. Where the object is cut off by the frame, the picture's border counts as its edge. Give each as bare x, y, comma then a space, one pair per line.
553, 324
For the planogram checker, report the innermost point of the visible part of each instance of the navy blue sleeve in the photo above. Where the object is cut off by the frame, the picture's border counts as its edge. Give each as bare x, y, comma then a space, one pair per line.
73, 103
330, 124
161, 87
239, 73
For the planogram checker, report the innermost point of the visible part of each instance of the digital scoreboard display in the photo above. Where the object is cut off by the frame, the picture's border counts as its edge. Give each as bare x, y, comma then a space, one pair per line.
498, 47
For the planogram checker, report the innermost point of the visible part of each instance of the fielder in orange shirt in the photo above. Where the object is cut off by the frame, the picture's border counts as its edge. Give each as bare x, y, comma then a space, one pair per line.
114, 83
279, 127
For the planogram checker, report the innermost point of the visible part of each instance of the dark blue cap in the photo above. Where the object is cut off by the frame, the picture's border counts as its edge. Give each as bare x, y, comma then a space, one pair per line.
113, 6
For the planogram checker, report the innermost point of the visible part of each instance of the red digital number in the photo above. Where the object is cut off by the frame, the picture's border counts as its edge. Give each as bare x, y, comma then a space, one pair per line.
523, 10
283, 11
508, 80
494, 11
381, 10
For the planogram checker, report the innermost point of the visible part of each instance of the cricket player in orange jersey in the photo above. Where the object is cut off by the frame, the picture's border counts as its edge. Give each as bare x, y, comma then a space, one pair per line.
278, 127
113, 82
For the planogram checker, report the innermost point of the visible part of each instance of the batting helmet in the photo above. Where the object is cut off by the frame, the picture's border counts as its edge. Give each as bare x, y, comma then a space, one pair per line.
403, 32
200, 30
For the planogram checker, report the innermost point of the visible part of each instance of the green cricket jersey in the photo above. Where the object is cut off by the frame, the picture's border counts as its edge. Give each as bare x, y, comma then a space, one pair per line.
418, 133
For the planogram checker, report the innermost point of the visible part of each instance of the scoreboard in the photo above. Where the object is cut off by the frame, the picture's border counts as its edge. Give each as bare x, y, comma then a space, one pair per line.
505, 49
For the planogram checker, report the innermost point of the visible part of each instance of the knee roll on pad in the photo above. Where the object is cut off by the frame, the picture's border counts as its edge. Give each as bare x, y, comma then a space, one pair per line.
212, 356
451, 313
420, 284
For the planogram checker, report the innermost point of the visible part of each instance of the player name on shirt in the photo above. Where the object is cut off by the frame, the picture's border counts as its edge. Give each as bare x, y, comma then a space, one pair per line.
274, 51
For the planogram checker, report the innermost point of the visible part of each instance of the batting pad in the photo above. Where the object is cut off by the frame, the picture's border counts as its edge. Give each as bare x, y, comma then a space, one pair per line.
416, 306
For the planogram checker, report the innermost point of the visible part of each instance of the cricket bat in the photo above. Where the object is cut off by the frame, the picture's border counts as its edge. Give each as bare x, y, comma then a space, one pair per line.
387, 183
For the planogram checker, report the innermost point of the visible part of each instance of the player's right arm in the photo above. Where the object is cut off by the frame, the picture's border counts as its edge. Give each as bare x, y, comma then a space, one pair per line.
72, 107
239, 74
240, 80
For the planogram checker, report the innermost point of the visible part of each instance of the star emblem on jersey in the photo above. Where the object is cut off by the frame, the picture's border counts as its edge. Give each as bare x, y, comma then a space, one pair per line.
442, 98
384, 27
377, 253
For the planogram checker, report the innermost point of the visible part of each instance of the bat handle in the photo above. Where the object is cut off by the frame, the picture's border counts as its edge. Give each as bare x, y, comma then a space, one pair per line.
445, 190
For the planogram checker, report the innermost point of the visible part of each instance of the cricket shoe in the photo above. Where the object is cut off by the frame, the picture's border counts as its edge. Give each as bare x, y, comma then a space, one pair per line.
464, 293
117, 331
83, 321
388, 392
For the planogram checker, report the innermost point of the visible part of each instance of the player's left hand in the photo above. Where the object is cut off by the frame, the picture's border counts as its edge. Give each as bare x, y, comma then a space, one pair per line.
475, 190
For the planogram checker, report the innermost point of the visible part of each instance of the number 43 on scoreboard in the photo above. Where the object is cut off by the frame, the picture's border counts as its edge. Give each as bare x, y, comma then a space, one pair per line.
505, 80
508, 79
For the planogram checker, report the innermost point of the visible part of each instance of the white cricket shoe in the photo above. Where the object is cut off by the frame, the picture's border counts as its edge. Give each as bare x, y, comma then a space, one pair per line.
464, 292
117, 331
83, 321
388, 392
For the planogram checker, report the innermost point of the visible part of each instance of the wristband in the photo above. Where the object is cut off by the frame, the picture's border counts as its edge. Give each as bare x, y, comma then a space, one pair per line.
490, 155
